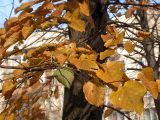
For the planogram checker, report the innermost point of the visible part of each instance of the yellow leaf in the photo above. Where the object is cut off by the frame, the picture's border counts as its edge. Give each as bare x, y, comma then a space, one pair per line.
7, 88
3, 115
158, 82
27, 5
78, 24
113, 39
75, 21
107, 37
94, 93
109, 43
84, 7
129, 97
2, 31
10, 117
106, 53
111, 29
27, 31
147, 77
61, 58
119, 37
129, 47
111, 72
85, 62
2, 52
10, 22
46, 24
15, 37
24, 6
25, 16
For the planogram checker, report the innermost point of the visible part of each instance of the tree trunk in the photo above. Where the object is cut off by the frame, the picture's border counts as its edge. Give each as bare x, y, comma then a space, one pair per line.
148, 45
75, 105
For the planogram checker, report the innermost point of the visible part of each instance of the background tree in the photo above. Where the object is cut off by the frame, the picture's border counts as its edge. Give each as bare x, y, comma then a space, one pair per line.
95, 38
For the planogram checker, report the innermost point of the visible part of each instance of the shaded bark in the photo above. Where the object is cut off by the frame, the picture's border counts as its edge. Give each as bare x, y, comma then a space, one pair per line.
148, 45
75, 105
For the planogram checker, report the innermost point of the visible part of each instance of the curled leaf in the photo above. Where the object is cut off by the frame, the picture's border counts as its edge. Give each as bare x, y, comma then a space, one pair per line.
94, 93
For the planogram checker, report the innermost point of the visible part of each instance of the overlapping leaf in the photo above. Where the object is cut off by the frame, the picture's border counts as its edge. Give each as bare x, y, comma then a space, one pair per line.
94, 93
129, 97
7, 88
147, 77
111, 72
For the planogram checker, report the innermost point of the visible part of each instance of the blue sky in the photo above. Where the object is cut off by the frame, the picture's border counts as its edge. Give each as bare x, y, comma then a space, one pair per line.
5, 9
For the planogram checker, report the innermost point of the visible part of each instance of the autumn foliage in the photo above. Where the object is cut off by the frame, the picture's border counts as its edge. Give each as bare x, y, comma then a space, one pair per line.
67, 58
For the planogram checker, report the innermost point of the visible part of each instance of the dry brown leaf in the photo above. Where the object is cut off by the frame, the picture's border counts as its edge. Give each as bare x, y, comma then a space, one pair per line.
108, 112
142, 35
129, 13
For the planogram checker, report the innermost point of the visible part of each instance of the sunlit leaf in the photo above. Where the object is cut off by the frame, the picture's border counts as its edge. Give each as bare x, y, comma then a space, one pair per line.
15, 37
77, 24
7, 88
111, 72
158, 82
10, 117
129, 46
147, 77
75, 21
106, 53
2, 52
120, 36
84, 7
85, 62
94, 93
26, 5
129, 97
2, 31
27, 31
3, 115
10, 22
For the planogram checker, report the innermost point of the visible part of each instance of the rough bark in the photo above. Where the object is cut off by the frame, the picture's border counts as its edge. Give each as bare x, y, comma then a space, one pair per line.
75, 105
148, 45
